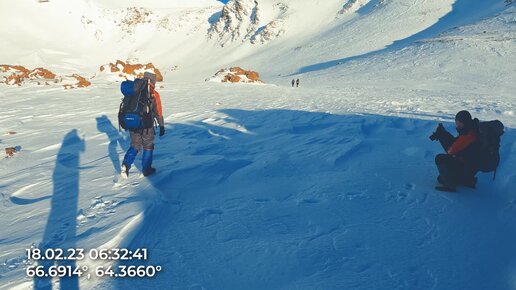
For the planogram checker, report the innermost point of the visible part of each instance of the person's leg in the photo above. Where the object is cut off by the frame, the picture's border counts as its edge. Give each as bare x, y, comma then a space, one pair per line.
467, 177
130, 155
148, 149
447, 166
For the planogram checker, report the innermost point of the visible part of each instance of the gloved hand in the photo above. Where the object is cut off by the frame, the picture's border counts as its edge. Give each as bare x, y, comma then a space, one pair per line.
161, 131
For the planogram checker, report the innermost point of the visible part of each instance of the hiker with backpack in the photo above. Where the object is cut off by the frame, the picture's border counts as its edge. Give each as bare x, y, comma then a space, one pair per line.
474, 149
140, 109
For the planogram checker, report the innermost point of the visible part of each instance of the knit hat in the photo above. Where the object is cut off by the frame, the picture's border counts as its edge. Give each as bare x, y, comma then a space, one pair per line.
464, 117
150, 76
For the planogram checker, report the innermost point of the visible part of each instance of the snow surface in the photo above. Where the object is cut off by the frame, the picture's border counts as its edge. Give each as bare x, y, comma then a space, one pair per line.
325, 186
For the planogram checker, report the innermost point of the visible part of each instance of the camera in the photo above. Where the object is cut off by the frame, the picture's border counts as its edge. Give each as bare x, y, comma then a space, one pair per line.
437, 134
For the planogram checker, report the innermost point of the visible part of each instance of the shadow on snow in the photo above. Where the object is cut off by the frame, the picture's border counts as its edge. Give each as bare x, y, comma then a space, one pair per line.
294, 199
60, 231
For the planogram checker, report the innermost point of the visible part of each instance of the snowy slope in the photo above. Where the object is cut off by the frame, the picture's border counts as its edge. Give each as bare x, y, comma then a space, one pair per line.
281, 193
297, 36
326, 186
376, 26
87, 34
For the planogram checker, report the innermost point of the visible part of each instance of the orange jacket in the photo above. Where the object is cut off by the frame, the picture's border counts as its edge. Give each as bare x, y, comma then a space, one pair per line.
157, 108
158, 102
462, 142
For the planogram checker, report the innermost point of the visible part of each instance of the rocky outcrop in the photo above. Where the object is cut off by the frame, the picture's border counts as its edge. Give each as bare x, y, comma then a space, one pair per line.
10, 151
271, 31
354, 5
17, 75
134, 16
130, 71
236, 75
351, 6
81, 82
42, 73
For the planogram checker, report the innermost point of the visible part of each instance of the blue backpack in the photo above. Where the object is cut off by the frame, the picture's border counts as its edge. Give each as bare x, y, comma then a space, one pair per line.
135, 111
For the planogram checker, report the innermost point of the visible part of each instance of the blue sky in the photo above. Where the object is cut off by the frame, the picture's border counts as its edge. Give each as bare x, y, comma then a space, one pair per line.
224, 1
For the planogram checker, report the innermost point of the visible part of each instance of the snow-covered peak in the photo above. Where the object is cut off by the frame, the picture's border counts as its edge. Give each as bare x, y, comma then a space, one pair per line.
352, 6
261, 21
239, 20
119, 4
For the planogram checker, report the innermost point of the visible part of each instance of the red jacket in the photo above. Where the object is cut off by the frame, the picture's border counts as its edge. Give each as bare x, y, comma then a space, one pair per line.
158, 101
462, 142
157, 109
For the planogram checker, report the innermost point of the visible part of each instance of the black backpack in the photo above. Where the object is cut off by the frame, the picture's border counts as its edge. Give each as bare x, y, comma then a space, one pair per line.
489, 145
135, 110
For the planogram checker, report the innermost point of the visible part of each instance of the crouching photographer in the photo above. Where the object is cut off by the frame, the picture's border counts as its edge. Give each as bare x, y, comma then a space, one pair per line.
459, 165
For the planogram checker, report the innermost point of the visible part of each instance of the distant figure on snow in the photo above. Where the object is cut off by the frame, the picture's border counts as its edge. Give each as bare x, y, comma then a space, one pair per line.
142, 135
297, 83
293, 82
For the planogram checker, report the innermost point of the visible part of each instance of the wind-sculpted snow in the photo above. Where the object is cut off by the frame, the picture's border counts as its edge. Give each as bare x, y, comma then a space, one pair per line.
305, 200
293, 188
